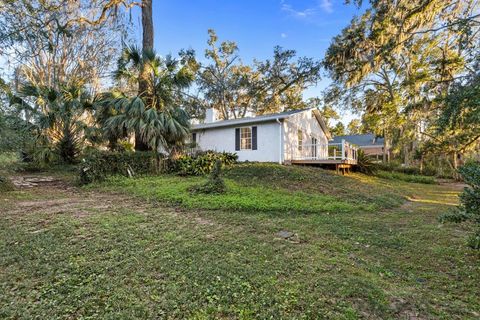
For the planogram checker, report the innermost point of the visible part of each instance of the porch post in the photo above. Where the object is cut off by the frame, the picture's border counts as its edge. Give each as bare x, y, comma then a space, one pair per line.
343, 149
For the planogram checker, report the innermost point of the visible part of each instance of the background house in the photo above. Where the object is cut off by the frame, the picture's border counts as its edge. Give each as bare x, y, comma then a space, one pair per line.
371, 144
278, 137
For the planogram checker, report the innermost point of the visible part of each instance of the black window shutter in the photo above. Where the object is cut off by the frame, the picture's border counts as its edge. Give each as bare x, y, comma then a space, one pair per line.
254, 138
237, 139
194, 137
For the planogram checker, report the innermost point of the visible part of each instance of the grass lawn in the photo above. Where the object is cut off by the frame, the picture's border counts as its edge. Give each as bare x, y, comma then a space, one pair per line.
146, 248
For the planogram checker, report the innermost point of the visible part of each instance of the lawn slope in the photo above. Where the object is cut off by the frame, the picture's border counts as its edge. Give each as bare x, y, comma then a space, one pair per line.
268, 188
69, 253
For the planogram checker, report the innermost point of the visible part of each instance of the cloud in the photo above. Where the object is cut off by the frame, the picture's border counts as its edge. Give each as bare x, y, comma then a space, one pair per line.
298, 13
283, 35
326, 5
321, 5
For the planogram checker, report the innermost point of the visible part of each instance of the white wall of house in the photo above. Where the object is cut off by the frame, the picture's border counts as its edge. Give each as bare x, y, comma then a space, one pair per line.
310, 128
276, 142
223, 139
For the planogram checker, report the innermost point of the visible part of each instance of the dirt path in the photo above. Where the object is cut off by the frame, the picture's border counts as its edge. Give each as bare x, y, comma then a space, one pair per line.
51, 195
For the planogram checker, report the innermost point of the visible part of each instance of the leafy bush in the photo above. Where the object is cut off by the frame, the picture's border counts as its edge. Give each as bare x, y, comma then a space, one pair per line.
469, 208
396, 167
202, 163
7, 160
405, 177
470, 198
215, 183
97, 165
365, 163
454, 215
430, 169
6, 184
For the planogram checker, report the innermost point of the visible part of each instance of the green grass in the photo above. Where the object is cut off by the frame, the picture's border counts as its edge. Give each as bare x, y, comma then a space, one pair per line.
264, 188
86, 254
405, 177
174, 190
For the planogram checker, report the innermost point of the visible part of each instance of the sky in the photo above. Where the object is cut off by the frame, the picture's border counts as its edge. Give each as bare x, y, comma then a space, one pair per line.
306, 26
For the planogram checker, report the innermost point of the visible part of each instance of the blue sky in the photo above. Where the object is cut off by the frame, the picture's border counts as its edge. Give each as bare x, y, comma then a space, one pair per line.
306, 26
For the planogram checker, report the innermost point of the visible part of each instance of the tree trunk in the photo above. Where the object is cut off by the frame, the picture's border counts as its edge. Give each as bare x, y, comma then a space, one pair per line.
421, 164
147, 45
147, 25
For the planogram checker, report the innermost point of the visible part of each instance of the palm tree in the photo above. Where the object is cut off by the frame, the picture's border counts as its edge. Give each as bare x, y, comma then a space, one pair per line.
59, 118
155, 114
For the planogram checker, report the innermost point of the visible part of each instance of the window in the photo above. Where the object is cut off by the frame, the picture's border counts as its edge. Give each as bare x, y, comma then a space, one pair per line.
245, 138
300, 140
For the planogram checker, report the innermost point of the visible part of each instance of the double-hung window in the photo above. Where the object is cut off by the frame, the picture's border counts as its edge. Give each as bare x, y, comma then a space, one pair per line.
246, 138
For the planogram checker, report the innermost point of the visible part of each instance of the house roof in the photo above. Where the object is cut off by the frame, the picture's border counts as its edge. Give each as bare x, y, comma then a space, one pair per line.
246, 120
368, 139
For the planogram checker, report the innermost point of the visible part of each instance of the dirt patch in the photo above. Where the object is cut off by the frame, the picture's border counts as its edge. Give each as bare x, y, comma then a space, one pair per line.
25, 182
50, 195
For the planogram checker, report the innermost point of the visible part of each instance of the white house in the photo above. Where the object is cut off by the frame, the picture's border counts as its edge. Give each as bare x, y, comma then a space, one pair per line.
299, 135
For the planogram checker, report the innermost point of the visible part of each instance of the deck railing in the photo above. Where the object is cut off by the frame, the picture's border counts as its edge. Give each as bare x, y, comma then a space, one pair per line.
342, 152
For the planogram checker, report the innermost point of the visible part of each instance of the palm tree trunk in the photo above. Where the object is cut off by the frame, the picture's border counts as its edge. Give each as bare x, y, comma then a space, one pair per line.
147, 45
147, 25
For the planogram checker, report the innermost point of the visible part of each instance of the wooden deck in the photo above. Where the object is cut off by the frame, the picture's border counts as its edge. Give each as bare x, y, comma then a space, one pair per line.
341, 156
324, 161
341, 166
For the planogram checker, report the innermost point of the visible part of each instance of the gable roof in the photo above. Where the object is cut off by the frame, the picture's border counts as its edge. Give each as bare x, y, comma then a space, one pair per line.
246, 120
368, 139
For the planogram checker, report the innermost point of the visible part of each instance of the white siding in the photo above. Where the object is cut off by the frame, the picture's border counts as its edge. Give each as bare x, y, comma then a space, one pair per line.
307, 122
223, 139
269, 146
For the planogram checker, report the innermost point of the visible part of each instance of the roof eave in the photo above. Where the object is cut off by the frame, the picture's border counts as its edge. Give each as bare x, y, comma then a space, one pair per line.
322, 123
219, 124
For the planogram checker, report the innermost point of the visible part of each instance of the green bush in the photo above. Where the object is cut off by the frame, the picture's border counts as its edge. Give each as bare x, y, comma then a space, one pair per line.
97, 165
469, 208
215, 183
470, 198
365, 163
202, 163
396, 167
454, 215
430, 169
405, 177
8, 160
6, 184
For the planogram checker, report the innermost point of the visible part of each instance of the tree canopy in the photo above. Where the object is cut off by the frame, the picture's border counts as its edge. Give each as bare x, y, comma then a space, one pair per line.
236, 89
397, 64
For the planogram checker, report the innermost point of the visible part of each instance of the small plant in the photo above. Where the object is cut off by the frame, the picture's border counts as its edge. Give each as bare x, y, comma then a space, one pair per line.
6, 184
365, 163
215, 183
469, 209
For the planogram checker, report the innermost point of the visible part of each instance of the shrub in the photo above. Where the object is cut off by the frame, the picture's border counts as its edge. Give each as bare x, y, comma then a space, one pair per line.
6, 184
215, 183
437, 168
405, 177
365, 163
454, 215
97, 165
396, 167
202, 163
469, 208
